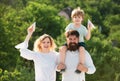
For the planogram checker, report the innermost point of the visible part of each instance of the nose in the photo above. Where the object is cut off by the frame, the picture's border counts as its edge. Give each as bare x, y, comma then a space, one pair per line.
72, 41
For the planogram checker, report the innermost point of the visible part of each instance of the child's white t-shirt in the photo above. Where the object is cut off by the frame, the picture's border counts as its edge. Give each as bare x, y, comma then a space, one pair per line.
82, 31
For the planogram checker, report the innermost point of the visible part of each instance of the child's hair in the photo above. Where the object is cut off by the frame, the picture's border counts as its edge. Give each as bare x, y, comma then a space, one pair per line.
38, 42
77, 12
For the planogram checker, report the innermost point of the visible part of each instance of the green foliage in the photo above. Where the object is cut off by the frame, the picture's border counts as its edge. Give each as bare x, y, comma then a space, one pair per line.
24, 74
46, 17
17, 15
105, 57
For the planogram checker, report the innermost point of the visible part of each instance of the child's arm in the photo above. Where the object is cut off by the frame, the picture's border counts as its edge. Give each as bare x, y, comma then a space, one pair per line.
88, 36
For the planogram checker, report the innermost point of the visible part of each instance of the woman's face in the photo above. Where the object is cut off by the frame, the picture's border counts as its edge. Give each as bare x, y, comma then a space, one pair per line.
46, 44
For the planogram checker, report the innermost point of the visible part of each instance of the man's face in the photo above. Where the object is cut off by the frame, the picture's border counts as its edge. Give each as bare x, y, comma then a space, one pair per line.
72, 42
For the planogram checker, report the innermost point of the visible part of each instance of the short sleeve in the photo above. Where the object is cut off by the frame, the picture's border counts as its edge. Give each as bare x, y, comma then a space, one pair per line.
85, 31
68, 27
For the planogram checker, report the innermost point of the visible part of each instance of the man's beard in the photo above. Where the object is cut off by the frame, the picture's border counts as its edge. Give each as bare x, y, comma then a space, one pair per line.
73, 46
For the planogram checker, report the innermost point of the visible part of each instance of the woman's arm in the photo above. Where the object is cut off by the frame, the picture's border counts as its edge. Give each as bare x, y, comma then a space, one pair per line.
30, 31
24, 52
27, 54
24, 44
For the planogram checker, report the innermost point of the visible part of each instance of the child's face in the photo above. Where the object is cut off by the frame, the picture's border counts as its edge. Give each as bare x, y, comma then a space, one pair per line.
77, 19
46, 44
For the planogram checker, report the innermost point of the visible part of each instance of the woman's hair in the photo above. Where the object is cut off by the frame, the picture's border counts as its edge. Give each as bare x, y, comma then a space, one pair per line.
37, 43
77, 12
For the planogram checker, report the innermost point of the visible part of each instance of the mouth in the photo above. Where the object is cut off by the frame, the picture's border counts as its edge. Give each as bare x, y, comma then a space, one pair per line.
45, 46
72, 44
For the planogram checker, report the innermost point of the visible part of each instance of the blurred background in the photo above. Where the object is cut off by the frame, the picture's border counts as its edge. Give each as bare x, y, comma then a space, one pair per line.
52, 17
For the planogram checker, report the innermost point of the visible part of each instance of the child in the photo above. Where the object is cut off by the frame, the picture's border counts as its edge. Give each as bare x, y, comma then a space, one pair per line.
77, 18
44, 56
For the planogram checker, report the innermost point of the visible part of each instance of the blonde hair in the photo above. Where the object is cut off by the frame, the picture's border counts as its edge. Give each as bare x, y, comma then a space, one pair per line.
77, 12
37, 43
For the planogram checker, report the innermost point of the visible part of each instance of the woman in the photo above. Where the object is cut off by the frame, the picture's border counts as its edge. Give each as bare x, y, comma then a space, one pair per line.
43, 56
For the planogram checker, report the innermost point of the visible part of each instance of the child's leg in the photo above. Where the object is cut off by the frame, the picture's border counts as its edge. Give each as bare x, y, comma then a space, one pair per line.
62, 52
81, 58
82, 55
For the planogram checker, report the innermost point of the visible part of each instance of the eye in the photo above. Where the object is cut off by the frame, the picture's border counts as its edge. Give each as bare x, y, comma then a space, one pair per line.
48, 42
70, 38
75, 17
43, 42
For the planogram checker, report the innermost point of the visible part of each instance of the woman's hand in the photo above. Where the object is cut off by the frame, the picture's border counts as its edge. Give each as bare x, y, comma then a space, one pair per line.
31, 29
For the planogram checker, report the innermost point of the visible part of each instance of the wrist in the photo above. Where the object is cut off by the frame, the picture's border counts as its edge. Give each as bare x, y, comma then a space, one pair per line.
86, 70
30, 33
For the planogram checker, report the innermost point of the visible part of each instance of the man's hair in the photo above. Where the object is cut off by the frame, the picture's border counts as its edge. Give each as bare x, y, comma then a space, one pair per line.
72, 32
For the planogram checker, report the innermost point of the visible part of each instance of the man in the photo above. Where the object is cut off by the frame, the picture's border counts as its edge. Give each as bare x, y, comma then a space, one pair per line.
72, 59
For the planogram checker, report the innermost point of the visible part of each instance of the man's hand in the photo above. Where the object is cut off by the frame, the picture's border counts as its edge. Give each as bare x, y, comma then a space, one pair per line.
82, 68
61, 66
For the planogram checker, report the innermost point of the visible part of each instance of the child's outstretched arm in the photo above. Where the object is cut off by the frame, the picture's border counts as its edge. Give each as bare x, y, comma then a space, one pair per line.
88, 36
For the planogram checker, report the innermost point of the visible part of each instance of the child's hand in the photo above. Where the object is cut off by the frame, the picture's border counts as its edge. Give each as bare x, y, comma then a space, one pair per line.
89, 26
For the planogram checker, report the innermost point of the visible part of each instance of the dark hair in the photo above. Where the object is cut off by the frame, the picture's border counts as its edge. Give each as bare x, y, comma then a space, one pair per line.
72, 32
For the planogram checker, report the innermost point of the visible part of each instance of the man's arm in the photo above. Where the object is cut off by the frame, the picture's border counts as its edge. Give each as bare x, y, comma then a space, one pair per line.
89, 63
82, 68
89, 67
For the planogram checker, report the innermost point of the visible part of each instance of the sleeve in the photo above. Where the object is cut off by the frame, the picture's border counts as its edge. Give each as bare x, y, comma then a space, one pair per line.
57, 57
27, 54
22, 45
68, 27
57, 62
85, 31
89, 64
24, 52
